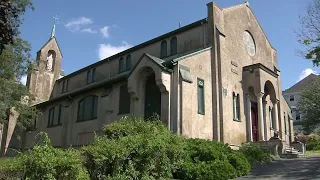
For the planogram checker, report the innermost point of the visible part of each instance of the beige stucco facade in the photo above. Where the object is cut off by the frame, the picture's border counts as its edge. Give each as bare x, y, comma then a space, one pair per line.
211, 51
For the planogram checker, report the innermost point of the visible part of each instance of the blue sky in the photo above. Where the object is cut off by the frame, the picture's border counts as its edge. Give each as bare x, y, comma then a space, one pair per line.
89, 30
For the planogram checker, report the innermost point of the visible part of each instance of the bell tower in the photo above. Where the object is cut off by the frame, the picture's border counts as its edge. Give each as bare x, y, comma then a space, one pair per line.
46, 69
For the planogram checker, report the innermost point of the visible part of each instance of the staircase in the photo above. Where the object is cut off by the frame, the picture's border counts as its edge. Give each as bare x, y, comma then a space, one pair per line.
290, 152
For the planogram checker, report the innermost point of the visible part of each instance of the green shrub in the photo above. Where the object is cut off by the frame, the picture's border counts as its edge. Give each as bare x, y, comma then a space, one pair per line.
46, 162
211, 160
255, 154
313, 142
134, 149
129, 126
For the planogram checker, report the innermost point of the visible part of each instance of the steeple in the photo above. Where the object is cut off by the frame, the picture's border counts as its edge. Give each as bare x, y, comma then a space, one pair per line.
54, 27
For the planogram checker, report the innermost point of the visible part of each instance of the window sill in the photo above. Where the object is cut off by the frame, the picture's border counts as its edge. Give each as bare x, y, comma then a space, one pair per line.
122, 113
80, 121
52, 126
201, 113
237, 120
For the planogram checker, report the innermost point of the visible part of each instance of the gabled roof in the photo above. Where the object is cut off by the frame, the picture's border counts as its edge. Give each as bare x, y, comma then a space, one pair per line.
156, 60
51, 39
245, 5
301, 84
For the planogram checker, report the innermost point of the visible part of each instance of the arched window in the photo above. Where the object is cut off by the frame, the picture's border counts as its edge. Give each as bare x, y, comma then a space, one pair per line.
163, 52
128, 62
173, 46
121, 65
88, 108
54, 118
51, 60
236, 106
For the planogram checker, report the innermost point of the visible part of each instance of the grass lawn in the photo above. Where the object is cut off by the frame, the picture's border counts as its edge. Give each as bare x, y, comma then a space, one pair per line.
313, 153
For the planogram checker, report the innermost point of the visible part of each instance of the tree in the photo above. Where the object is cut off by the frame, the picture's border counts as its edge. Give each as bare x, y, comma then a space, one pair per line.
10, 19
14, 63
309, 106
309, 33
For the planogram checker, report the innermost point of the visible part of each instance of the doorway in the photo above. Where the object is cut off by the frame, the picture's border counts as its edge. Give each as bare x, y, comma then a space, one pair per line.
152, 103
254, 119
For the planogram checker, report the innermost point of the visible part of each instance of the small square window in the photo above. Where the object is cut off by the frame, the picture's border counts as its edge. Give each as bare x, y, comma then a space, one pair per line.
291, 97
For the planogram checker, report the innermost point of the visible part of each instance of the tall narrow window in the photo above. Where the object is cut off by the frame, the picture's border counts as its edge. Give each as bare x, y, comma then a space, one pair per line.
124, 100
163, 52
93, 75
63, 86
89, 77
236, 106
297, 115
201, 109
67, 85
128, 62
173, 46
285, 123
55, 116
88, 108
121, 65
270, 117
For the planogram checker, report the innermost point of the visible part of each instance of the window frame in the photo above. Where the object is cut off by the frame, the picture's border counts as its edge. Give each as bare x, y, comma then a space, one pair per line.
236, 106
122, 66
173, 43
124, 104
201, 100
128, 63
81, 114
51, 116
271, 117
291, 98
163, 49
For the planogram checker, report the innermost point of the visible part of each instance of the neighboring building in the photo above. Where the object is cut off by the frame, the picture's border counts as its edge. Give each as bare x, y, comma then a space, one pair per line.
292, 96
217, 78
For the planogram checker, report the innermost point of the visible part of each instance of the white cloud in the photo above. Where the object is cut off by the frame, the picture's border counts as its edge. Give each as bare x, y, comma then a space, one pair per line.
105, 31
89, 30
23, 80
306, 73
77, 24
107, 50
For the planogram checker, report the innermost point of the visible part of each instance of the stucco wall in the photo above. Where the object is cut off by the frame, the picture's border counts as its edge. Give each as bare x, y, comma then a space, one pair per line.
196, 125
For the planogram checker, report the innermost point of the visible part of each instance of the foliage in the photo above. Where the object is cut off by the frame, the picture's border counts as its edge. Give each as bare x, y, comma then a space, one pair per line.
313, 142
10, 19
309, 33
211, 160
255, 154
124, 153
309, 106
14, 63
129, 126
46, 162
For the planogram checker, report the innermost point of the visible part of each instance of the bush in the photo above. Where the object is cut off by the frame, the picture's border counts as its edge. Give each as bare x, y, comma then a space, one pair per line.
313, 142
46, 162
134, 149
255, 154
130, 126
212, 160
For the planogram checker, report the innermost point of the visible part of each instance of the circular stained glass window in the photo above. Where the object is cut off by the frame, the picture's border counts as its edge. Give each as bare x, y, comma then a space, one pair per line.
249, 43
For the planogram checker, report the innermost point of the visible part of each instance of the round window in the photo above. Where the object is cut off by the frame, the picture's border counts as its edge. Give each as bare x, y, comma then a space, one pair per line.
249, 43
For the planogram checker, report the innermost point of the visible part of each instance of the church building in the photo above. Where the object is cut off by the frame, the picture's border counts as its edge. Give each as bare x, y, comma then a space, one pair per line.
217, 78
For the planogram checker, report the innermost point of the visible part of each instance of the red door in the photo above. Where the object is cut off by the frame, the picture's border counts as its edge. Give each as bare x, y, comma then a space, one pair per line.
254, 119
